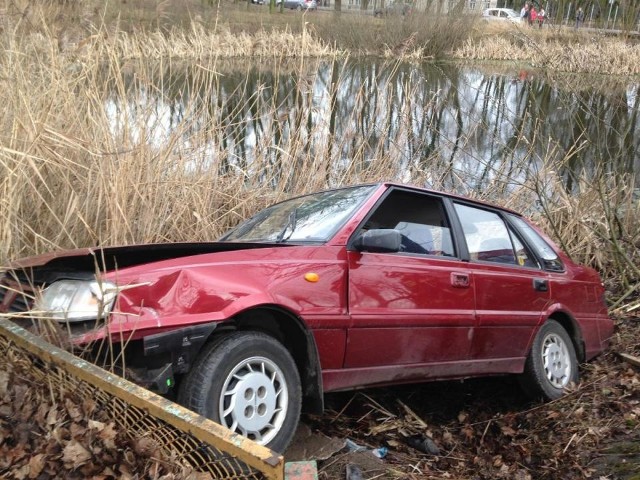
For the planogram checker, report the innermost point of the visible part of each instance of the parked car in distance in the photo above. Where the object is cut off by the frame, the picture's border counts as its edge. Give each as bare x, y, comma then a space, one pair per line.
361, 286
395, 8
502, 14
258, 2
299, 4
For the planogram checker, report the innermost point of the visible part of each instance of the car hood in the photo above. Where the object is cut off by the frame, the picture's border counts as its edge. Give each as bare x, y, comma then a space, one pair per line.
109, 258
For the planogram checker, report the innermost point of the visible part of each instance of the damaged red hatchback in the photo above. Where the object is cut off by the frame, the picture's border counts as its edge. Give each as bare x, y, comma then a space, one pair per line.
348, 288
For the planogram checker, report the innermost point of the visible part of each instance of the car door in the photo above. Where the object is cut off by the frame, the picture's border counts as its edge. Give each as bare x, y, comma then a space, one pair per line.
412, 307
512, 290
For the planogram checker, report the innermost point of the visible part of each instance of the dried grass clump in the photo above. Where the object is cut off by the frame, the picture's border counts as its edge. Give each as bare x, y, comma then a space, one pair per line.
200, 43
582, 54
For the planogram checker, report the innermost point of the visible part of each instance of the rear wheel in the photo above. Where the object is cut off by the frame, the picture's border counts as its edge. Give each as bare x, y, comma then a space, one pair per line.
552, 363
249, 383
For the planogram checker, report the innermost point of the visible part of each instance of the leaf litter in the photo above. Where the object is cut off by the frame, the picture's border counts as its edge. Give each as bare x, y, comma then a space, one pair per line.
477, 429
42, 439
488, 429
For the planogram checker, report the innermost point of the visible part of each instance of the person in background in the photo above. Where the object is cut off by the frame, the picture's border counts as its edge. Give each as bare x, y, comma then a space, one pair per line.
579, 17
533, 15
541, 15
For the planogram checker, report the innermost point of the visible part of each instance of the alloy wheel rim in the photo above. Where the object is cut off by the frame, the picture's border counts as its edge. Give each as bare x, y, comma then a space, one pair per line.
556, 361
254, 399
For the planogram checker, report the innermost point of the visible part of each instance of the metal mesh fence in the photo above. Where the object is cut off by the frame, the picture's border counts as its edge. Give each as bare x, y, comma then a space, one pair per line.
183, 436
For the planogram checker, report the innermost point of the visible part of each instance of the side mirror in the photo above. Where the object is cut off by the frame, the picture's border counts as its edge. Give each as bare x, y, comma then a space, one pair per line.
379, 240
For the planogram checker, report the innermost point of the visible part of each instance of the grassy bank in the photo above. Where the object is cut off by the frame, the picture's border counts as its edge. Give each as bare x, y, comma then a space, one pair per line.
196, 29
565, 50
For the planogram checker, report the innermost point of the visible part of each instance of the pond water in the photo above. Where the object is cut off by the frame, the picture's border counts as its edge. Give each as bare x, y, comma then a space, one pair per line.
465, 123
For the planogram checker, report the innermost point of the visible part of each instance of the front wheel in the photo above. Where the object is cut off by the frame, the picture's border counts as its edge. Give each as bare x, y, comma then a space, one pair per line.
249, 383
552, 363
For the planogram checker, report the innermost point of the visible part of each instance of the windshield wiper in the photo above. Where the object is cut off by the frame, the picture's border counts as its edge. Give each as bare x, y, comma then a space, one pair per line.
291, 223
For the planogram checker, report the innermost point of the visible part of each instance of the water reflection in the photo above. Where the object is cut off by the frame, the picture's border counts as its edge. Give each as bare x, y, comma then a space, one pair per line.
460, 126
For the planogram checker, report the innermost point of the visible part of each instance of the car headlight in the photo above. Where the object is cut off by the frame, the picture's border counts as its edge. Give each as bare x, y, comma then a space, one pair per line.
76, 300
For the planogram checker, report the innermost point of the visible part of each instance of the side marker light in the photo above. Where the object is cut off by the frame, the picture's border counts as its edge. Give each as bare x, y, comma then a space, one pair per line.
311, 277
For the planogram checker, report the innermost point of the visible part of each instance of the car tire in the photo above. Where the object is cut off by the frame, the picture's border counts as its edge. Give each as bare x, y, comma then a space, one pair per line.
249, 383
552, 363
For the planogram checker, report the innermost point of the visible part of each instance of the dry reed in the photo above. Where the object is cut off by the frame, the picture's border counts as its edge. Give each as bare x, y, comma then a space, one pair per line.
77, 169
570, 52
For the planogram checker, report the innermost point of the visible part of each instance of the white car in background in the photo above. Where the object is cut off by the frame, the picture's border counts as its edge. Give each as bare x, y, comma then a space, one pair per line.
502, 14
299, 4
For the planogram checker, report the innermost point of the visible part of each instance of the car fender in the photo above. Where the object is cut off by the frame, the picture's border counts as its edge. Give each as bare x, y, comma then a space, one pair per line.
561, 314
219, 287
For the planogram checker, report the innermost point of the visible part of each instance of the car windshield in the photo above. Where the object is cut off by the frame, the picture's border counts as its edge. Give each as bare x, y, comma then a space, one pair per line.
311, 218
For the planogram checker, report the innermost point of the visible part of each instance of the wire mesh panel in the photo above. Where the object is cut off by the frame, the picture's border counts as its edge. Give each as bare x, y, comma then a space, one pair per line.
184, 437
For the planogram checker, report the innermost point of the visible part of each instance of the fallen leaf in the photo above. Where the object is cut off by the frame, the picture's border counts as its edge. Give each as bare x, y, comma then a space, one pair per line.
88, 406
74, 411
77, 430
36, 465
468, 433
41, 414
95, 425
4, 382
21, 473
108, 435
145, 446
52, 416
75, 454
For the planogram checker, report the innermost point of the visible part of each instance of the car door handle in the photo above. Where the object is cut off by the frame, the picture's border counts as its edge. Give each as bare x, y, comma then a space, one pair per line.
540, 285
460, 280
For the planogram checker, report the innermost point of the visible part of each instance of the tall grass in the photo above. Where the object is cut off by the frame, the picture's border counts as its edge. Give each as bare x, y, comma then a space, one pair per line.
76, 169
558, 50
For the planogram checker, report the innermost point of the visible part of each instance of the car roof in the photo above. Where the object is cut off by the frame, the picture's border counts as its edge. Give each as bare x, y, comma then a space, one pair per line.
500, 9
450, 195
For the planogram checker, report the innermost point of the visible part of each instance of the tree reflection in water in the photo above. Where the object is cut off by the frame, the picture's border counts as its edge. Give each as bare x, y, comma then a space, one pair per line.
458, 128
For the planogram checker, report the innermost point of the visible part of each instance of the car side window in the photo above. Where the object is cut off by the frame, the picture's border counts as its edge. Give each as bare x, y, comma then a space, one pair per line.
550, 259
487, 236
523, 255
420, 219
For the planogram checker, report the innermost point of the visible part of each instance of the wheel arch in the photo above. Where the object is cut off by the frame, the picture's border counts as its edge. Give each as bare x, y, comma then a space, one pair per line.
291, 331
573, 329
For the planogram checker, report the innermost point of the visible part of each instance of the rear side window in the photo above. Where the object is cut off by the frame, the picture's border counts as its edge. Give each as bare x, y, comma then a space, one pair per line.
549, 257
490, 239
486, 234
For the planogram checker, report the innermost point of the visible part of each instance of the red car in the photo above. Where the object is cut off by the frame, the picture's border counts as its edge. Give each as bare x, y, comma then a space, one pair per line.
353, 287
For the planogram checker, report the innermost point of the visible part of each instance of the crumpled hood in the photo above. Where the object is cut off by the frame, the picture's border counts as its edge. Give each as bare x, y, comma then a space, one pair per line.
108, 258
